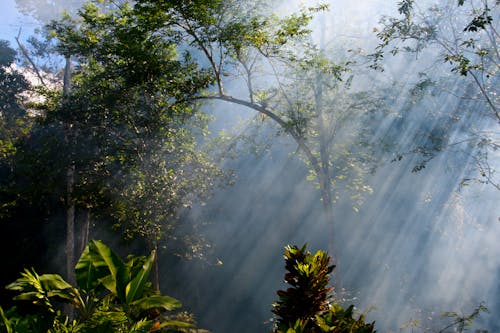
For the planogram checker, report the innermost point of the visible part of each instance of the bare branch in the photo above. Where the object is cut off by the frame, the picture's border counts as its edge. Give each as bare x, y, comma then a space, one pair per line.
27, 56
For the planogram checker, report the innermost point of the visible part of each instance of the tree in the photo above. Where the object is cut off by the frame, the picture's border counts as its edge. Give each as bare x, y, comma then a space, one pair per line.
287, 79
15, 124
463, 36
131, 113
13, 121
127, 129
306, 305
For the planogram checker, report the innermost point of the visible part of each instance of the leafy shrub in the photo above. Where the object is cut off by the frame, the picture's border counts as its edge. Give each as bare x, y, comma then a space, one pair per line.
305, 306
111, 296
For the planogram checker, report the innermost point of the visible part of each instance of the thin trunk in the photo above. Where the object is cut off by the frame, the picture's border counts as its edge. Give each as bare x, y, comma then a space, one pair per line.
85, 229
324, 155
67, 76
70, 204
70, 235
157, 268
70, 182
70, 226
324, 160
324, 151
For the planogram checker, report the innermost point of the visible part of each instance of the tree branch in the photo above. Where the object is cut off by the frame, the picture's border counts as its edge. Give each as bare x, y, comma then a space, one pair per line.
26, 54
282, 123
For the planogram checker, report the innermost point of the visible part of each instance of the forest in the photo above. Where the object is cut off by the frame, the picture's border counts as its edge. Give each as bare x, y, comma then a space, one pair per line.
274, 166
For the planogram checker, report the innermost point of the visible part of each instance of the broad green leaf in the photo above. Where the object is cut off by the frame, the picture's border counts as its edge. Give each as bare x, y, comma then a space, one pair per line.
89, 269
99, 255
135, 287
34, 287
157, 301
61, 294
109, 283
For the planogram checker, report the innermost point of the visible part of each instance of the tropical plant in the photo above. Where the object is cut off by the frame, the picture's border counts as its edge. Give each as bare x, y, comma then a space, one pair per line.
307, 305
111, 296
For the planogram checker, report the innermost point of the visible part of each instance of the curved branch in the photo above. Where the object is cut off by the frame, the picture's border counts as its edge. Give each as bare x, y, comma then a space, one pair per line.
191, 31
282, 123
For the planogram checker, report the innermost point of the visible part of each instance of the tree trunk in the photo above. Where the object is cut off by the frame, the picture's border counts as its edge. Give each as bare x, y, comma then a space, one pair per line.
70, 182
84, 237
156, 268
70, 204
67, 76
324, 160
70, 226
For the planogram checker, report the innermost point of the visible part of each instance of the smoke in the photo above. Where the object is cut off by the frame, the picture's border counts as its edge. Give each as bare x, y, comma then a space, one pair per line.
421, 244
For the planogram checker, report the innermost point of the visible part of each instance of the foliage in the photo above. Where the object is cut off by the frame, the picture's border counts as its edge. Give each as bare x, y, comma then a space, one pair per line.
46, 10
306, 305
129, 127
461, 322
111, 296
288, 80
13, 119
13, 122
131, 104
462, 36
469, 47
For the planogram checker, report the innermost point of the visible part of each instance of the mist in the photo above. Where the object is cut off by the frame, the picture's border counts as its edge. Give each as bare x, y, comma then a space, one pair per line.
422, 243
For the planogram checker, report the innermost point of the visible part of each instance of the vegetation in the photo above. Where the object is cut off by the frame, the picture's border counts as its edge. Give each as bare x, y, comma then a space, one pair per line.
118, 139
307, 305
114, 136
467, 46
288, 80
110, 296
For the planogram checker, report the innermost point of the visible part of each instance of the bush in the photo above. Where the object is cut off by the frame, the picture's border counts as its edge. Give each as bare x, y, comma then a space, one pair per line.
305, 306
111, 296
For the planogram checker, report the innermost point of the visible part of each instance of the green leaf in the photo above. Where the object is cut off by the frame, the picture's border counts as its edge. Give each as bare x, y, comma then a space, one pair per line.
28, 296
157, 301
39, 286
142, 325
6, 322
53, 282
89, 270
176, 323
135, 287
100, 265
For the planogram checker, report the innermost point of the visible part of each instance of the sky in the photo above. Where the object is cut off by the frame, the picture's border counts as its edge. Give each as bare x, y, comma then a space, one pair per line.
11, 21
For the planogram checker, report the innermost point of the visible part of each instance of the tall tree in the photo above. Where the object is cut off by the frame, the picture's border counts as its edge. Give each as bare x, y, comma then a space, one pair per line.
284, 73
134, 124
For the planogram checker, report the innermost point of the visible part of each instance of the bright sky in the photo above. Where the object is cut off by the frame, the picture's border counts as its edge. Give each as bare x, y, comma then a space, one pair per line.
11, 20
